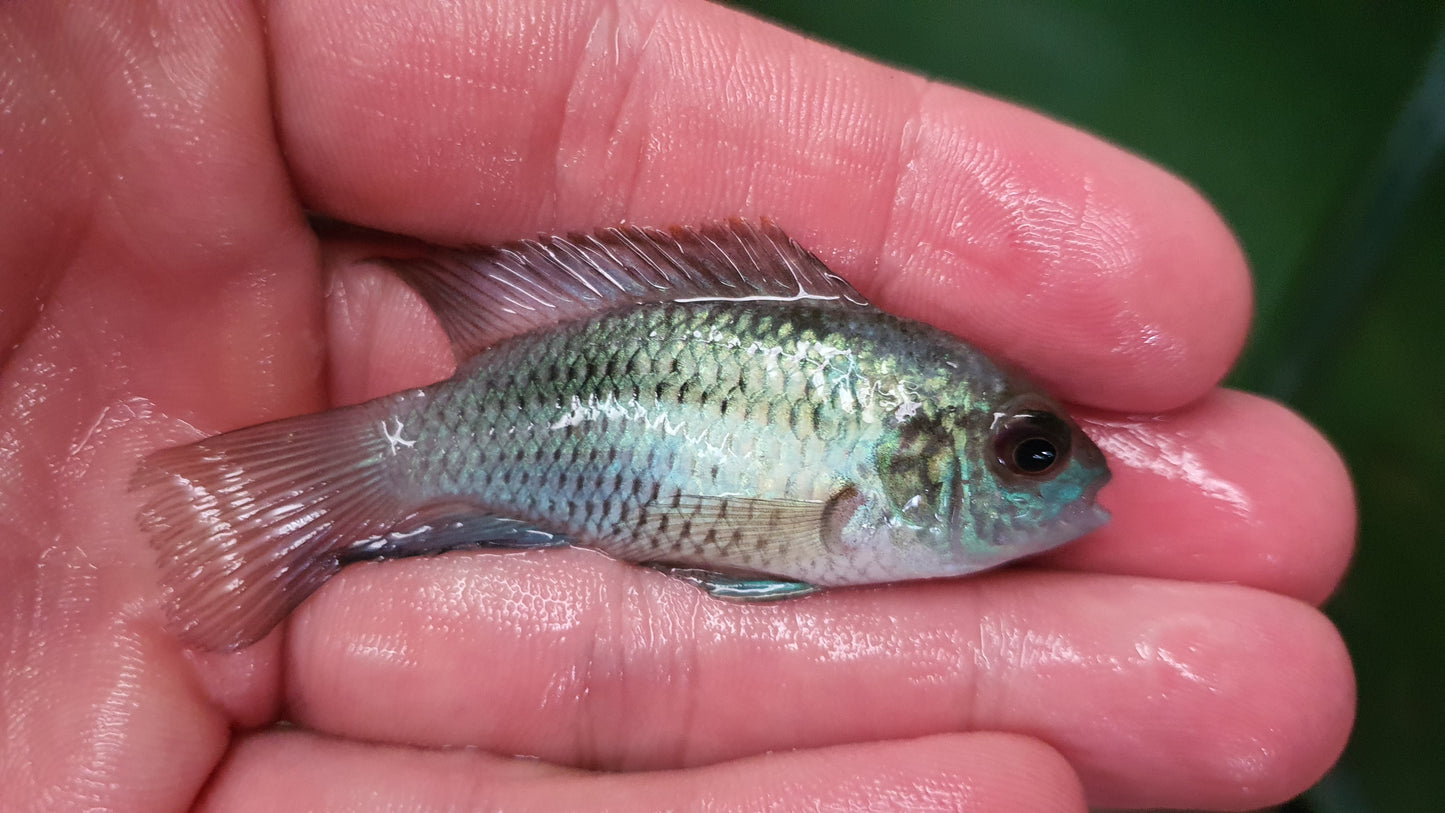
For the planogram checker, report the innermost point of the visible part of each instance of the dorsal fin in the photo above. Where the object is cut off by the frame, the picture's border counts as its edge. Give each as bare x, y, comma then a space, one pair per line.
485, 295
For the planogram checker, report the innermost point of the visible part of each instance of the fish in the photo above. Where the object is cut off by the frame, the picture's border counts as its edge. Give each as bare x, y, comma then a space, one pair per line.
711, 401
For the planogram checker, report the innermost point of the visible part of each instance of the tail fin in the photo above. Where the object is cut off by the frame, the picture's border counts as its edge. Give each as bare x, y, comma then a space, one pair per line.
249, 523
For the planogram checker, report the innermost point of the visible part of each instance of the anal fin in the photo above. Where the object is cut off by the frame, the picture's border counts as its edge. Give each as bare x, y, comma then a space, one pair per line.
438, 531
737, 588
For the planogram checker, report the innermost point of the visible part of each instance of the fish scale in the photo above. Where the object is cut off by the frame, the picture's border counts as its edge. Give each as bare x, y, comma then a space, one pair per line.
713, 401
605, 395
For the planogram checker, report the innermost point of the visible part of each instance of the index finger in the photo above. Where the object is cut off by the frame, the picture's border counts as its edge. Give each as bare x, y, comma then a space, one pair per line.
1106, 278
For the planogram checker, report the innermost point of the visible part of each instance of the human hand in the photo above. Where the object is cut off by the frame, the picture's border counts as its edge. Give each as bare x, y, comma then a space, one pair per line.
161, 283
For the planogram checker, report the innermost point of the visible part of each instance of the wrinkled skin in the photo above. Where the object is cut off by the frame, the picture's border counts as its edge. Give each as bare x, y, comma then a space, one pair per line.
160, 282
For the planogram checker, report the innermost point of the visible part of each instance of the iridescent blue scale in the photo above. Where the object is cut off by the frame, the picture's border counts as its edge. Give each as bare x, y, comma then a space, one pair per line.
713, 402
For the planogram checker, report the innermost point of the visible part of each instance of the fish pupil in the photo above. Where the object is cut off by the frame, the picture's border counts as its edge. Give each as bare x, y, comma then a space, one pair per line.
1035, 455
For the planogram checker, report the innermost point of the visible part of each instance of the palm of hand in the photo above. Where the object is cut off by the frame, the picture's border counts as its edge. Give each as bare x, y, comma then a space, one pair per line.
163, 276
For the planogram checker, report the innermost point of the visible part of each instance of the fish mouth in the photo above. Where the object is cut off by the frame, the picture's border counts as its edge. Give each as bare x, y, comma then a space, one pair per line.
1081, 517
1085, 515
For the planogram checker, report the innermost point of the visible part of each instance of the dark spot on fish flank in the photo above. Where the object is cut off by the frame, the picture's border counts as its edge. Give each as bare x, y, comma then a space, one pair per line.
641, 363
663, 520
798, 414
577, 369
713, 472
686, 365
763, 381
763, 411
710, 539
520, 386
619, 515
686, 529
707, 371
736, 538
616, 482
722, 509
730, 374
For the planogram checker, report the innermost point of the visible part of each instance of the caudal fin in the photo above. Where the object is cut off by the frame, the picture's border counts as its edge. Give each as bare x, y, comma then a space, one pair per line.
249, 523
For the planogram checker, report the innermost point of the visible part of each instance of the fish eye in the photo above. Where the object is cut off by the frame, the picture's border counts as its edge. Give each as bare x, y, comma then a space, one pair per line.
1030, 443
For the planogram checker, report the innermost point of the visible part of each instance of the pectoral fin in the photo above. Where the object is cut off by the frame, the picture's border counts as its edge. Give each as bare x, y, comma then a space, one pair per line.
778, 531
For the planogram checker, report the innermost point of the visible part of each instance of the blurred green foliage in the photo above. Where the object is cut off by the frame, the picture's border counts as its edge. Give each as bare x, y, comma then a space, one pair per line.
1316, 128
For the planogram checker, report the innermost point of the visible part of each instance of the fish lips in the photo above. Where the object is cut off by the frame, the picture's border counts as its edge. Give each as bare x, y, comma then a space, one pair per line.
1080, 517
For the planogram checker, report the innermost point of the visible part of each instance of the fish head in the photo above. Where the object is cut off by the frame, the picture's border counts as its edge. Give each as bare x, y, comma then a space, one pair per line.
965, 488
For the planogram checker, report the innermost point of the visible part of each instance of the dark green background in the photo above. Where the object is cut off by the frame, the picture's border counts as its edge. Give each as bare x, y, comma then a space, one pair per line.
1317, 129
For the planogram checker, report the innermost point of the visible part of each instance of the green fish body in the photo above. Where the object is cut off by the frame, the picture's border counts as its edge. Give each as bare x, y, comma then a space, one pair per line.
713, 402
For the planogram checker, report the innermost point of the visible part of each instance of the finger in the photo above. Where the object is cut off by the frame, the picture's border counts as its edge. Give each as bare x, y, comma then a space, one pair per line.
383, 337
1154, 691
99, 709
1108, 279
1232, 489
983, 772
146, 204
